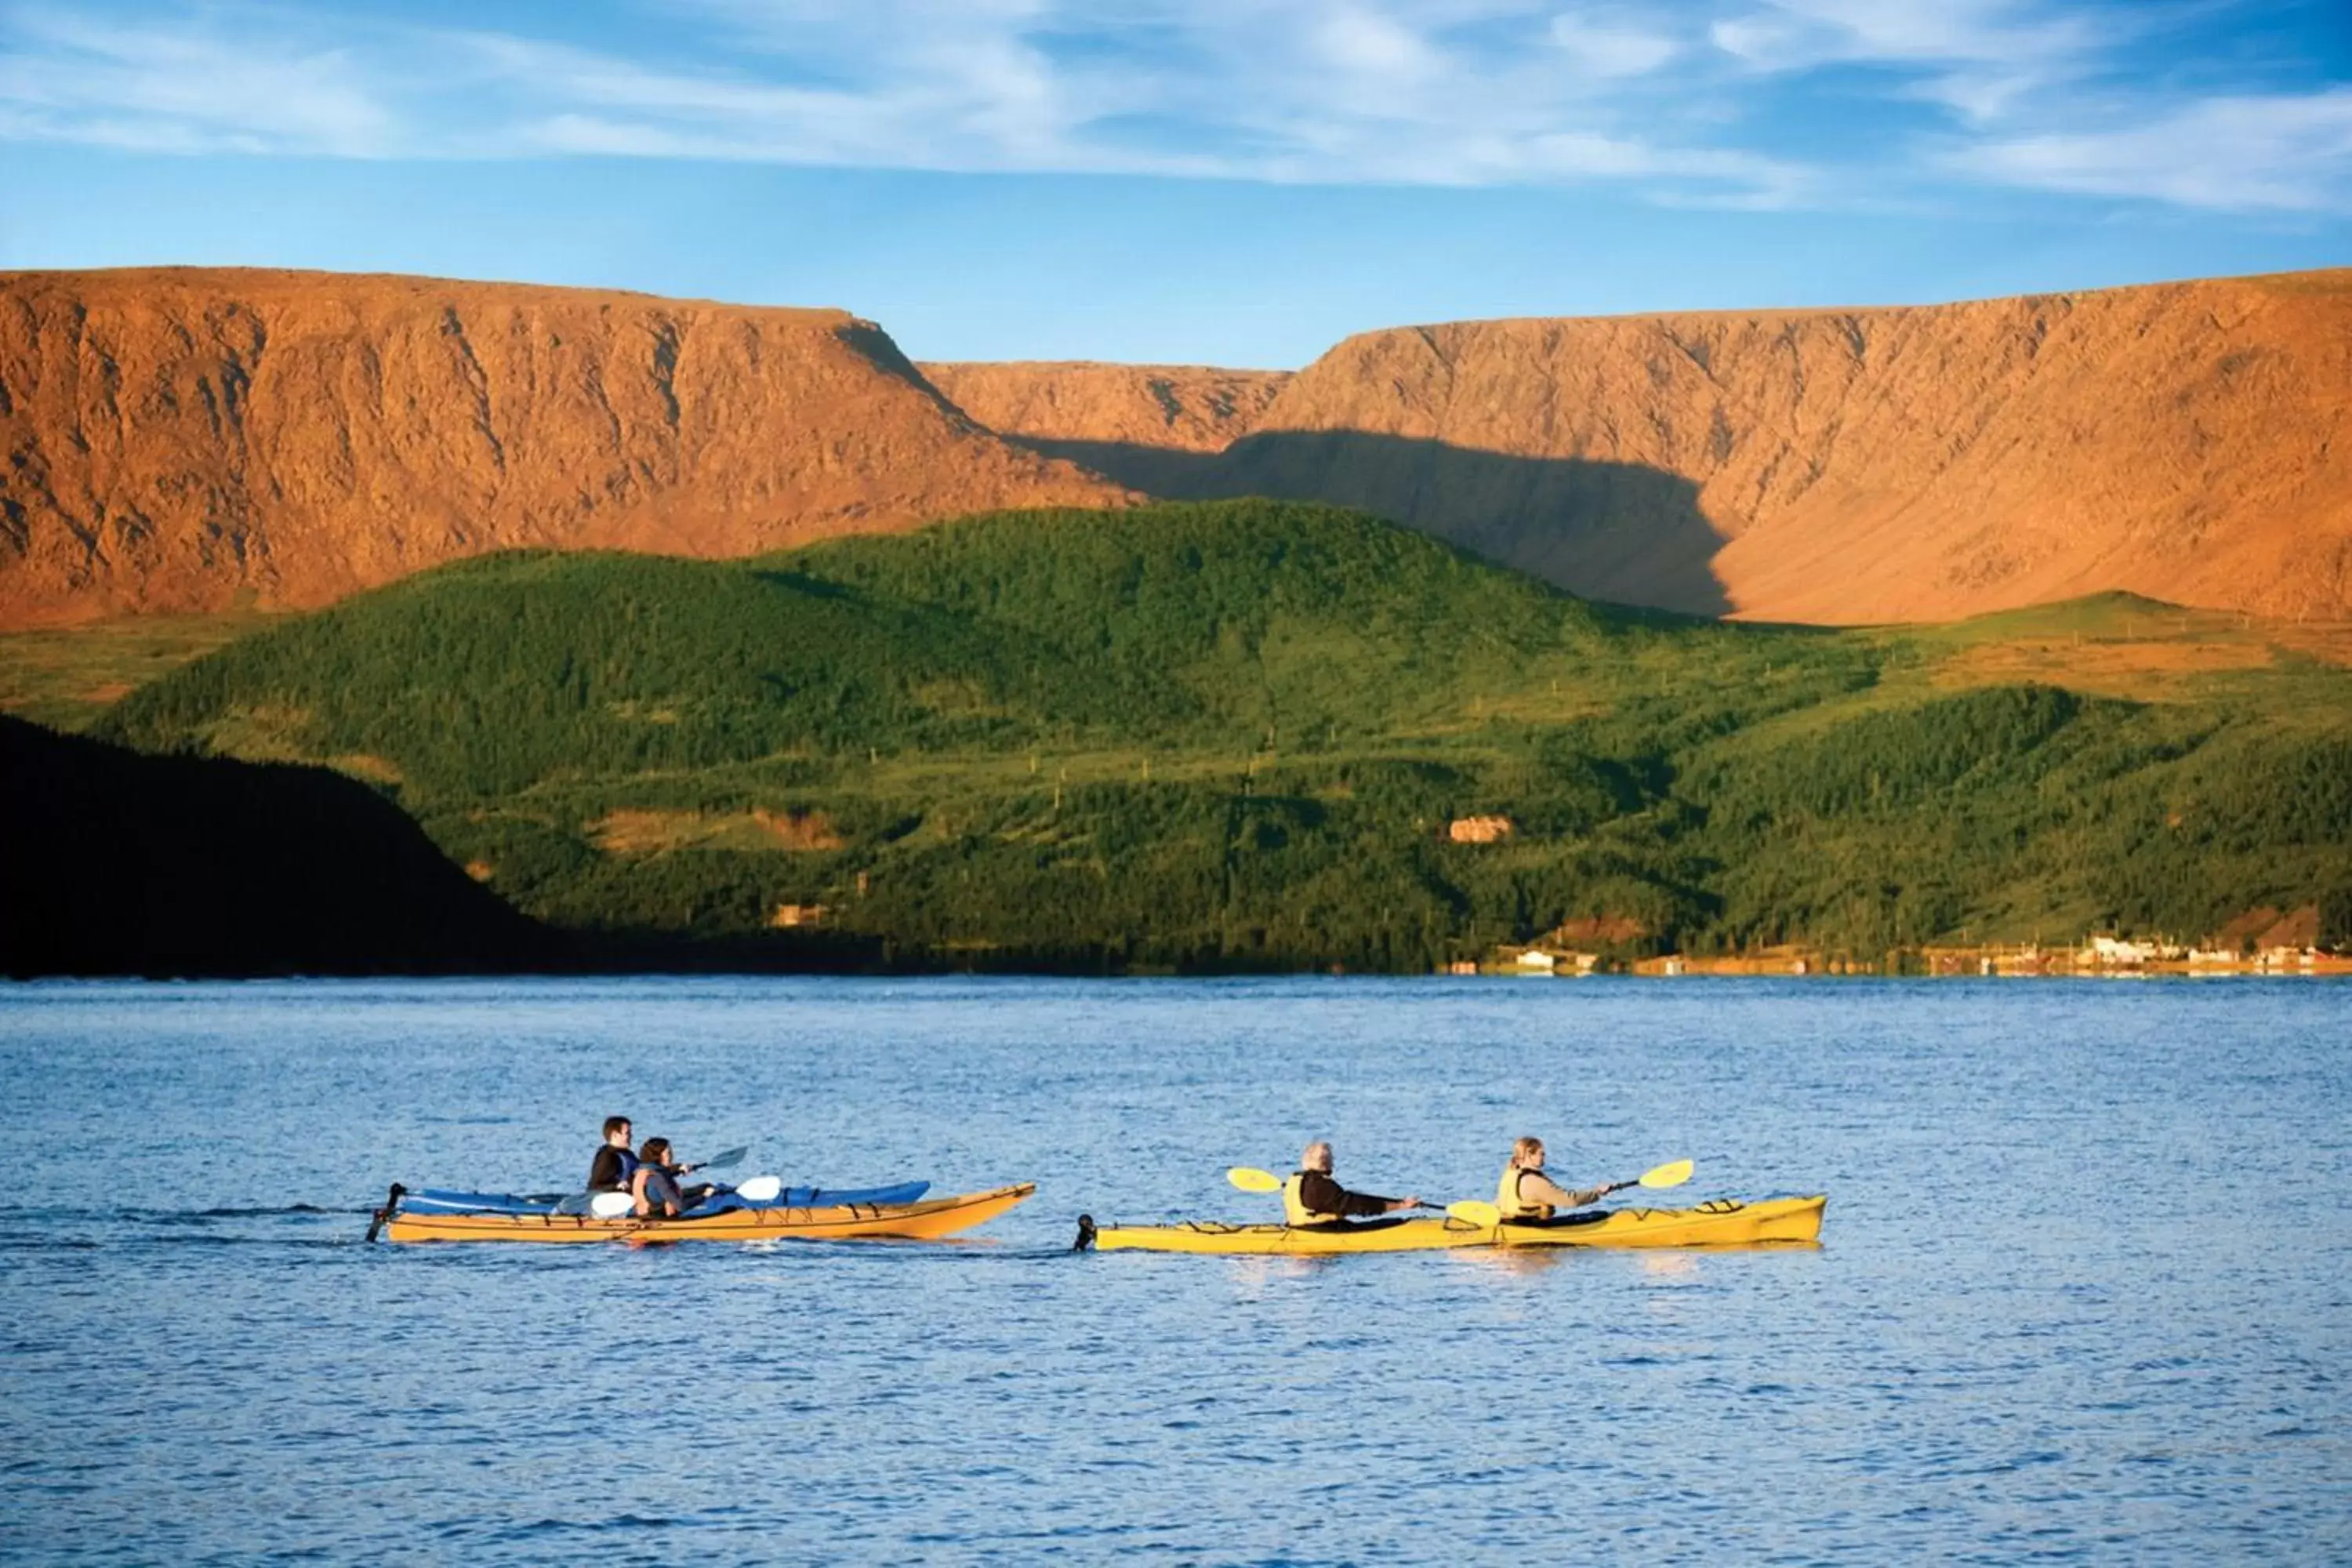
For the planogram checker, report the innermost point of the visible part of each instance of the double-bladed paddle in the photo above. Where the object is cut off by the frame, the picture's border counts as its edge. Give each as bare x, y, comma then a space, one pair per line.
1674, 1173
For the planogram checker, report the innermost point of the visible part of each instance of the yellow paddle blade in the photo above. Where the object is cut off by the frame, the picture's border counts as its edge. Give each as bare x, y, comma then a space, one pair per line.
1250, 1181
1475, 1213
1668, 1176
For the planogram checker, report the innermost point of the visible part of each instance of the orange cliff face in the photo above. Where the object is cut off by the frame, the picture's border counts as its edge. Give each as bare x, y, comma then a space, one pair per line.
2188, 442
185, 439
1154, 426
1189, 408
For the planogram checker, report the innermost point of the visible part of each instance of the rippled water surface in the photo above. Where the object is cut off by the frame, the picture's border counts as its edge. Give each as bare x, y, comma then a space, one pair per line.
2086, 1289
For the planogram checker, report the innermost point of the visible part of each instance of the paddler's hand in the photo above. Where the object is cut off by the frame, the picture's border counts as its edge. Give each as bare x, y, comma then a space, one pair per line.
1411, 1203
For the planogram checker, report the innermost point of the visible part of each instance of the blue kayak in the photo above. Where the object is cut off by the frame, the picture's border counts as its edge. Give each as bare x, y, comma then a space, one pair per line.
443, 1200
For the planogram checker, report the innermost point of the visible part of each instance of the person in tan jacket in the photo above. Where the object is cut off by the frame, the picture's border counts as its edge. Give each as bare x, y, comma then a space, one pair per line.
1525, 1192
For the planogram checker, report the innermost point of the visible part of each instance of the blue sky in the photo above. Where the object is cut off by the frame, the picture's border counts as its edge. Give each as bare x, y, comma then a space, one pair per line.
1199, 180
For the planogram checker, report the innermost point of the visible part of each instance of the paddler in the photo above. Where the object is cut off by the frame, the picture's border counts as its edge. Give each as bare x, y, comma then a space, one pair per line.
616, 1163
653, 1186
655, 1183
1311, 1198
1525, 1192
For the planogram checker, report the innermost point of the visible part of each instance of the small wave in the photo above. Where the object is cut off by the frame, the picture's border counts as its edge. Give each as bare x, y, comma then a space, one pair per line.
9, 1212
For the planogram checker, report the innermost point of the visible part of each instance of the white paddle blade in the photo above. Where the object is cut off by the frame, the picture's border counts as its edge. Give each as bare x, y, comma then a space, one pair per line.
611, 1206
760, 1189
1252, 1181
1672, 1175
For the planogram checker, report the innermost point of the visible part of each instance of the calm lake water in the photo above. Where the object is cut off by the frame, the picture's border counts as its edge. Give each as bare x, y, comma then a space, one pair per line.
2085, 1293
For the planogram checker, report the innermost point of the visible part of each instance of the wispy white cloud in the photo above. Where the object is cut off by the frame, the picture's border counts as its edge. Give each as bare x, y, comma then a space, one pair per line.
1435, 91
1699, 103
75, 78
1979, 58
1612, 45
2285, 153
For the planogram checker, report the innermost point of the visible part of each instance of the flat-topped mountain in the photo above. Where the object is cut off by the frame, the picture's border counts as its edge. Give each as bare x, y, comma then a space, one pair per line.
2191, 442
183, 439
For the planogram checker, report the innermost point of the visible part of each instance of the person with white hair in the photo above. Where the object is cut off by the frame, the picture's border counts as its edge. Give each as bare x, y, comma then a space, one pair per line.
1310, 1195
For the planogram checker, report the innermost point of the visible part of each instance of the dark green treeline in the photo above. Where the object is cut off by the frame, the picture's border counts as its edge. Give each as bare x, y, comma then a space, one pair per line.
1235, 735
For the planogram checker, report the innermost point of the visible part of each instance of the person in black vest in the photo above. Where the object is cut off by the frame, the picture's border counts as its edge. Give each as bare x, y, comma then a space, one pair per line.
1312, 1197
611, 1170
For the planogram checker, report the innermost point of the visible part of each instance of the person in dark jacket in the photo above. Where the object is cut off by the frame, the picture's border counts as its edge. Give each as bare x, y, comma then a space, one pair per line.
614, 1166
1312, 1197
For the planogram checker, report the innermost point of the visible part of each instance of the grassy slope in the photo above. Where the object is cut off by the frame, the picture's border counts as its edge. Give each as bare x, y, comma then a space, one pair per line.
1235, 733
67, 676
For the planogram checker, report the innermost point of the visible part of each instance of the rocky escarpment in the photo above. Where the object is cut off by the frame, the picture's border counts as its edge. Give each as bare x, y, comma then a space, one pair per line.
1190, 408
2189, 442
191, 439
185, 439
1149, 426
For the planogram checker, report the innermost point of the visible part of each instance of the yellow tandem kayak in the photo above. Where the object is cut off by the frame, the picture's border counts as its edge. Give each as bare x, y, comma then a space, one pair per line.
1719, 1222
925, 1221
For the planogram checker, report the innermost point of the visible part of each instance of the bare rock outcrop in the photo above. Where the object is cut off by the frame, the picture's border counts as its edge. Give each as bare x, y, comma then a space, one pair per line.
182, 439
1153, 427
185, 439
2191, 442
1188, 408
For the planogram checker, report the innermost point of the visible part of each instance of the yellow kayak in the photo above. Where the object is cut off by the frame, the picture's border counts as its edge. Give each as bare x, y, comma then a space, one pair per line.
925, 1221
1304, 1241
1719, 1222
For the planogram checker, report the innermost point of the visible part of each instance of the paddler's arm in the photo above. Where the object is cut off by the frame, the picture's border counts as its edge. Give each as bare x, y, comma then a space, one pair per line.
1321, 1194
1535, 1187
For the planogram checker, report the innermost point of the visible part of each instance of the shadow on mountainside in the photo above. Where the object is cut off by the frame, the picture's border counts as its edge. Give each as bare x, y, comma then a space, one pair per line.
120, 862
1623, 533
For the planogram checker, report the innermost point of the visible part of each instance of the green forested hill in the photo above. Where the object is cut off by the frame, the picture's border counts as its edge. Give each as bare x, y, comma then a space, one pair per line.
1235, 734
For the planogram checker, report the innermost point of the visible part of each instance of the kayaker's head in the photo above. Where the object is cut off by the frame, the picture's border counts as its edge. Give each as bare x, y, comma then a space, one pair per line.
1527, 1153
616, 1131
1316, 1158
655, 1152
